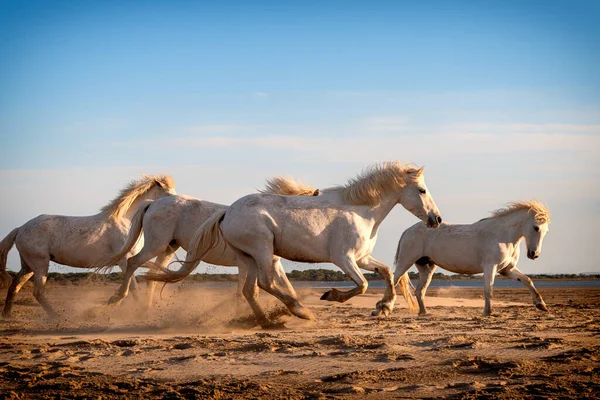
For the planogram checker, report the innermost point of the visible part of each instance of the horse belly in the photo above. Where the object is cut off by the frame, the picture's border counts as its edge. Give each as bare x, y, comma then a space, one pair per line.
455, 256
222, 254
301, 251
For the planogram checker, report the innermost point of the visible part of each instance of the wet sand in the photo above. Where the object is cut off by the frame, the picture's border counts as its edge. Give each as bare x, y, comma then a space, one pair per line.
197, 343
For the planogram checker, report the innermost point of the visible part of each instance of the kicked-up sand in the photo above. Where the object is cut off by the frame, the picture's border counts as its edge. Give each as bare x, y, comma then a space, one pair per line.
196, 342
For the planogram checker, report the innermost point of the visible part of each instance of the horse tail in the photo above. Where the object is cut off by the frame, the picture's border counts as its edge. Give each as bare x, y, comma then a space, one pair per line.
205, 239
289, 187
5, 245
406, 286
132, 237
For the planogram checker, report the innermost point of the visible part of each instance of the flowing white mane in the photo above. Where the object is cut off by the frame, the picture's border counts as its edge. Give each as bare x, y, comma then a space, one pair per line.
287, 186
373, 182
120, 204
541, 212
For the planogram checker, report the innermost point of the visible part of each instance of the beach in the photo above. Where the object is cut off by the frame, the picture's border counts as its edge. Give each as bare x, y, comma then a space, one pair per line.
198, 341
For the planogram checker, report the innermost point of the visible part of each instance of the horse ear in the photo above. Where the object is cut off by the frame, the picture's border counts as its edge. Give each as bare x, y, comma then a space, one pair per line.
159, 183
419, 172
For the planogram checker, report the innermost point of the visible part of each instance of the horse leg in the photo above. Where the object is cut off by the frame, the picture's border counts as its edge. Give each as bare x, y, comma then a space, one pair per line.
386, 304
371, 264
489, 274
347, 263
242, 279
135, 289
163, 260
387, 307
272, 279
132, 265
19, 280
250, 288
39, 266
516, 274
425, 274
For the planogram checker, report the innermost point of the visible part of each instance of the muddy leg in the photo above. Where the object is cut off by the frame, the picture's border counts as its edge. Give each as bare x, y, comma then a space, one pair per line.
489, 275
19, 280
389, 297
382, 306
162, 260
39, 292
425, 274
242, 276
250, 289
272, 279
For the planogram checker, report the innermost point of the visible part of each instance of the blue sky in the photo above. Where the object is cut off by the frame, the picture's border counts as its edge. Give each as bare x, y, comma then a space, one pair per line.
499, 99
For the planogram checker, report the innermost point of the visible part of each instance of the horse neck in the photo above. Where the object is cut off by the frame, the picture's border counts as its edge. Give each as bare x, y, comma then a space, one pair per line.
385, 206
513, 226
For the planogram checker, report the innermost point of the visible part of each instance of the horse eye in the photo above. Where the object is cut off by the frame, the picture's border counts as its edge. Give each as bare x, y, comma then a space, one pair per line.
536, 228
422, 191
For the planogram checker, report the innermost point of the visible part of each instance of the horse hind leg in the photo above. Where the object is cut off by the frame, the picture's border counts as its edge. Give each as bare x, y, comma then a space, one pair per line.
426, 269
162, 260
272, 279
19, 280
250, 288
39, 266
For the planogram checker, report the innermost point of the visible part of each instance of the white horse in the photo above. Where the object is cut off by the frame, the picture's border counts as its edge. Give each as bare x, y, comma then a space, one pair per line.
170, 223
76, 241
339, 226
490, 245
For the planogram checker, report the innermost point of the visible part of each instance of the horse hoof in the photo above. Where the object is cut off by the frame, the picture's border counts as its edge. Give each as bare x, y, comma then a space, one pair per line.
331, 295
375, 313
114, 300
272, 325
326, 295
541, 306
304, 313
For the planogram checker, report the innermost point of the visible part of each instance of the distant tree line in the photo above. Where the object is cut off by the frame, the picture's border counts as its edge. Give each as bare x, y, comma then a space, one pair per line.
310, 275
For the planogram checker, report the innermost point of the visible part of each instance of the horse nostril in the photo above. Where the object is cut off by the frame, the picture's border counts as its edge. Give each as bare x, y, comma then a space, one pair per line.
439, 219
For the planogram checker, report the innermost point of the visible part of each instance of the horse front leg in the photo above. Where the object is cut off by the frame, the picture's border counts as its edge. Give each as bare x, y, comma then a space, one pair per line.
389, 296
489, 274
348, 264
400, 277
516, 274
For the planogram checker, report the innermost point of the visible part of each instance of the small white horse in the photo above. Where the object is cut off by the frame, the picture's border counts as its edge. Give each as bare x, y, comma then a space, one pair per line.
76, 241
170, 223
490, 245
339, 226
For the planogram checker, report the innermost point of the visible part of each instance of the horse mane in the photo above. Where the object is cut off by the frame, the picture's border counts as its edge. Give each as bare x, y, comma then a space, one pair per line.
541, 212
288, 186
368, 187
137, 187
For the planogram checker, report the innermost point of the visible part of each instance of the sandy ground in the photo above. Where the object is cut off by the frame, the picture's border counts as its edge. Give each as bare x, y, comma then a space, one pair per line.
196, 343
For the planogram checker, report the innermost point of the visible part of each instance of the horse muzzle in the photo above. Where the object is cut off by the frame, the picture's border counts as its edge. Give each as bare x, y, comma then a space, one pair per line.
532, 254
434, 221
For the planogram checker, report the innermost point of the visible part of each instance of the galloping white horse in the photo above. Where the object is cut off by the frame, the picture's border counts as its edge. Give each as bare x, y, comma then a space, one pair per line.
339, 226
76, 241
490, 246
170, 223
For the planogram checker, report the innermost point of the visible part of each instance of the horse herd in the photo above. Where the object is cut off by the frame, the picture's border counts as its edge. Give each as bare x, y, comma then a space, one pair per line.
287, 219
